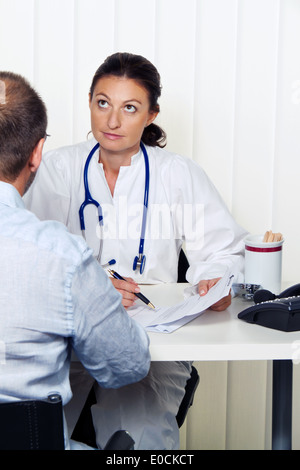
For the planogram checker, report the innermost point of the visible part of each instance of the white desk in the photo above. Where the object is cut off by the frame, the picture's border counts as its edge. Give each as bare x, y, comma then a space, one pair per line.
216, 336
221, 336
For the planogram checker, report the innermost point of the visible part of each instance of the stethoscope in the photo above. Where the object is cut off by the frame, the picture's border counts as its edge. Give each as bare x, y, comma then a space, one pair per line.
140, 259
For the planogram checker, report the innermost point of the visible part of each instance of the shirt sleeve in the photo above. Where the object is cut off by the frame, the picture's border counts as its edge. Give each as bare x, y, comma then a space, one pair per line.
110, 345
212, 238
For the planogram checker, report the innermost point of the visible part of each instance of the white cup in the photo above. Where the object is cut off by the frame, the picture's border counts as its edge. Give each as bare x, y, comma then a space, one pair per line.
263, 263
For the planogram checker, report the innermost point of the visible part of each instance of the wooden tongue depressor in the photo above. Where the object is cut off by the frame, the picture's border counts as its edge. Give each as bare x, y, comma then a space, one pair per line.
270, 237
265, 239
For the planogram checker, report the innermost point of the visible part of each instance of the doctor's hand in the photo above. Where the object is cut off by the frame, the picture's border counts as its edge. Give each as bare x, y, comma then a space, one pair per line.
127, 289
222, 304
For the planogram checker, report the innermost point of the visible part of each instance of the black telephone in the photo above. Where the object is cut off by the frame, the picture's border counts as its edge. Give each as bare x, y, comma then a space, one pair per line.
280, 312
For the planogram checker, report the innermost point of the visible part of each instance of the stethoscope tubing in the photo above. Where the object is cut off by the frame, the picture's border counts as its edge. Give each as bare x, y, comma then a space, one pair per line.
146, 196
89, 200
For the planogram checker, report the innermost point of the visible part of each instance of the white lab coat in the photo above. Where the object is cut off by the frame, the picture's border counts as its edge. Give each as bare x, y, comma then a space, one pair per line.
184, 207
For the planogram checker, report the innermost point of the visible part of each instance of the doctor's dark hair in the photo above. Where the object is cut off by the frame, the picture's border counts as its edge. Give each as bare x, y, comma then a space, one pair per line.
23, 123
136, 67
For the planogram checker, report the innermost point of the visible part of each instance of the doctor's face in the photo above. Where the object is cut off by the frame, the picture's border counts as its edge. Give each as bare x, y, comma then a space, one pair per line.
119, 113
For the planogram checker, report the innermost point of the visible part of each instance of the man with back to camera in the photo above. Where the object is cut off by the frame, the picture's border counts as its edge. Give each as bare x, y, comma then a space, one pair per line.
54, 296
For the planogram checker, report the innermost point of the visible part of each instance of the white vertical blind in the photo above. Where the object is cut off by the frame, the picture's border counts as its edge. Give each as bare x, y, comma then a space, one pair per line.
255, 111
17, 25
215, 91
230, 72
175, 47
94, 39
54, 64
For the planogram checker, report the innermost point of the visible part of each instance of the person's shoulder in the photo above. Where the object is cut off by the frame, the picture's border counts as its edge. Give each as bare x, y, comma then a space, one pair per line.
173, 161
54, 237
162, 155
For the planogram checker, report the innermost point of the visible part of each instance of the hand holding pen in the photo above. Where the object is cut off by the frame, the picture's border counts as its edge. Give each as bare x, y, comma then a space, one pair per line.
129, 290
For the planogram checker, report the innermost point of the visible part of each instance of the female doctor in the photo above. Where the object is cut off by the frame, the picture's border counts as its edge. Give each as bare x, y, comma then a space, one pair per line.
151, 202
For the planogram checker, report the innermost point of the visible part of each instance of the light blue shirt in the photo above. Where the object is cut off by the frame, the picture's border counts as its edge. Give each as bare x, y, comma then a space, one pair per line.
54, 297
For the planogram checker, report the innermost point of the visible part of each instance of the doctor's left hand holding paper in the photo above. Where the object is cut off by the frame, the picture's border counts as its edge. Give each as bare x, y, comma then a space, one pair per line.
222, 304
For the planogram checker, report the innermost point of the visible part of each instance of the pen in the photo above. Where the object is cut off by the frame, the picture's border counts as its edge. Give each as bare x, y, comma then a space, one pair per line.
139, 295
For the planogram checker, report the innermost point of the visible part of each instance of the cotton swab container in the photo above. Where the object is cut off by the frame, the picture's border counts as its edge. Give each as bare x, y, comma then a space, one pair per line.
263, 263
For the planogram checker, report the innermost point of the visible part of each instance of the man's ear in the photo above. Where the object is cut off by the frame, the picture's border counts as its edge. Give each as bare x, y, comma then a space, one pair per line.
36, 156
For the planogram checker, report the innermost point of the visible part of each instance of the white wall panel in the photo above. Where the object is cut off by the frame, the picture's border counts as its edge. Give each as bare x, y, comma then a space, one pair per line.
135, 25
54, 70
17, 27
246, 412
254, 118
175, 52
207, 423
94, 40
214, 97
230, 72
287, 149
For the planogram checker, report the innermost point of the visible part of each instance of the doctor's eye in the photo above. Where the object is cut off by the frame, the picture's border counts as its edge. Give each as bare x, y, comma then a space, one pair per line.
103, 104
130, 108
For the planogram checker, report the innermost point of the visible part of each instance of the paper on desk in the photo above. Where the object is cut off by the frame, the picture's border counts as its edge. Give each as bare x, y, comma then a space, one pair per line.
168, 319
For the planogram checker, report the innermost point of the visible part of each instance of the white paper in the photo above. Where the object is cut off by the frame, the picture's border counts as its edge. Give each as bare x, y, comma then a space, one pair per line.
168, 319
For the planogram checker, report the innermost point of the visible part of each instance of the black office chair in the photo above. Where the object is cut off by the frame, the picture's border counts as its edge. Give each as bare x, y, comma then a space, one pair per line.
187, 401
183, 266
32, 424
38, 425
84, 430
193, 382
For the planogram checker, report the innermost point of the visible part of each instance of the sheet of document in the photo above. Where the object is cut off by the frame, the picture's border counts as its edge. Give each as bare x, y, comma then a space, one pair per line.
168, 319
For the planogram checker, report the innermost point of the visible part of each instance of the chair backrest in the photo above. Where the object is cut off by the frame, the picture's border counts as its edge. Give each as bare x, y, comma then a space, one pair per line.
183, 266
32, 424
187, 401
193, 382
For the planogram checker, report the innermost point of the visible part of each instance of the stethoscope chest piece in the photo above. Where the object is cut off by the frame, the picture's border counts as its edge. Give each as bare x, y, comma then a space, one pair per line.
139, 263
